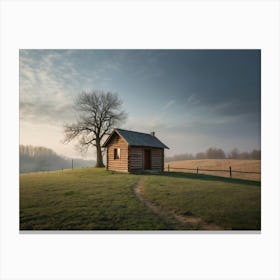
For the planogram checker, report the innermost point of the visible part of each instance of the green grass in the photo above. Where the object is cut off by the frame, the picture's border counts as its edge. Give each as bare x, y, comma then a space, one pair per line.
231, 203
96, 199
82, 199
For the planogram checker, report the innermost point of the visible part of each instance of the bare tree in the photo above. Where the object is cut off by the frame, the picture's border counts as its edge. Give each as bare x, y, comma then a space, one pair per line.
97, 113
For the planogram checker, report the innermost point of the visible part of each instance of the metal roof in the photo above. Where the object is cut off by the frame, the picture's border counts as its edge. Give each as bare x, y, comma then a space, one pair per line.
134, 138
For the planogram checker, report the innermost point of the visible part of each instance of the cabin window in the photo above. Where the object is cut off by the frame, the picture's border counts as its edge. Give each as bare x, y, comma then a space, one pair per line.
117, 153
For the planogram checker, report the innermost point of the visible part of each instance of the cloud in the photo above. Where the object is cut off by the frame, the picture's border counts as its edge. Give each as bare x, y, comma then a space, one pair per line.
46, 87
168, 104
192, 99
49, 112
182, 95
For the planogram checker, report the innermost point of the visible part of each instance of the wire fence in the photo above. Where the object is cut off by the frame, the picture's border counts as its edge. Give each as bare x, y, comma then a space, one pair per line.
201, 170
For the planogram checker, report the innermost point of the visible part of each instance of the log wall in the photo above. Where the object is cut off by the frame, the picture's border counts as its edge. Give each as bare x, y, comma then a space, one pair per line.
120, 164
136, 158
157, 159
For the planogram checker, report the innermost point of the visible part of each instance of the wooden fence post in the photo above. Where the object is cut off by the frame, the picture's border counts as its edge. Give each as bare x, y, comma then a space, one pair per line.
168, 167
197, 170
230, 172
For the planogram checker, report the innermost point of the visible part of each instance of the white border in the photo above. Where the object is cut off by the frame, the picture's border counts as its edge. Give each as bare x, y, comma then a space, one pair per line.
155, 24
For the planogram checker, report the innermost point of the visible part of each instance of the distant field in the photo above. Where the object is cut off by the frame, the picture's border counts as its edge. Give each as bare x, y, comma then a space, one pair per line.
96, 199
239, 165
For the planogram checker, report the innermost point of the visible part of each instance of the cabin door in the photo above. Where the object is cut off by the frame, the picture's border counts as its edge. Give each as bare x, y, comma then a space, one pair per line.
147, 159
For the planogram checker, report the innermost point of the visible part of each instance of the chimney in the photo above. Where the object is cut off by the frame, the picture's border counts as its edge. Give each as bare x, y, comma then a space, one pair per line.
153, 133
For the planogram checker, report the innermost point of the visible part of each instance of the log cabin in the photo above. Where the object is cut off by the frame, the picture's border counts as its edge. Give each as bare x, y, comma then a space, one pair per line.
131, 151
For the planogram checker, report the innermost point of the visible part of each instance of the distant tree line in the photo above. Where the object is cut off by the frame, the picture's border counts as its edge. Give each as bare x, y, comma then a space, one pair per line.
33, 158
216, 153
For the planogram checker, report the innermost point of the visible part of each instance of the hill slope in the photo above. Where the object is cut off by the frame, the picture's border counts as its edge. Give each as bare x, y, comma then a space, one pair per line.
96, 199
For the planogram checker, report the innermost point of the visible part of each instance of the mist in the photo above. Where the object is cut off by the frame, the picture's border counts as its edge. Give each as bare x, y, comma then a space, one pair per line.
34, 158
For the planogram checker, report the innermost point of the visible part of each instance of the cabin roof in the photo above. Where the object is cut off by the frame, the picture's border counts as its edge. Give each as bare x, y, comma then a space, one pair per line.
134, 138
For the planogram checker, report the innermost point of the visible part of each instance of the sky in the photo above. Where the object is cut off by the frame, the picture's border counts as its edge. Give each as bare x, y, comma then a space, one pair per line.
192, 99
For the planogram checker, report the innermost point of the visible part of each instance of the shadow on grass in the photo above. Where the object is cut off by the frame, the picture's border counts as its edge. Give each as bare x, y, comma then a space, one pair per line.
208, 178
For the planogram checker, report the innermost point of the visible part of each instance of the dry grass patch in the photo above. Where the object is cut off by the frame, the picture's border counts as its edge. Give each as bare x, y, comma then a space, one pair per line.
236, 164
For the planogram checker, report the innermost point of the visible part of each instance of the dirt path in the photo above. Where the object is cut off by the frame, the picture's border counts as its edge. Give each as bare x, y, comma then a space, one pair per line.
174, 220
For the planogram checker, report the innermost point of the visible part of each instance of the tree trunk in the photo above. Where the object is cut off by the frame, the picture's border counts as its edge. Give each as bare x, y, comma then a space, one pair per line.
99, 157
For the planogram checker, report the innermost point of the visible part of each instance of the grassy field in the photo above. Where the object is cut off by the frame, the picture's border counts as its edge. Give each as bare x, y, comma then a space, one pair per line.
220, 164
96, 199
82, 199
231, 204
